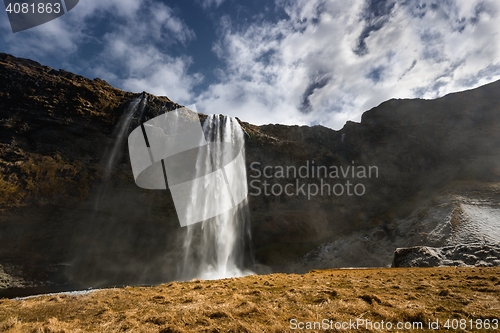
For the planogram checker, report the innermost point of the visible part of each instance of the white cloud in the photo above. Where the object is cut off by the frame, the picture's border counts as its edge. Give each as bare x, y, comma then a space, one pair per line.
304, 69
140, 57
135, 51
64, 35
326, 63
56, 36
211, 3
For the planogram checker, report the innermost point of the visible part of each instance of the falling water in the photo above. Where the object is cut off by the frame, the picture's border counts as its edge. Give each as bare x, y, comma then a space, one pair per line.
100, 237
136, 106
214, 248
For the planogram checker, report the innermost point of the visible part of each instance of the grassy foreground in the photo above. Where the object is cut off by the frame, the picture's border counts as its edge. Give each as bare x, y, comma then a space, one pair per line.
276, 303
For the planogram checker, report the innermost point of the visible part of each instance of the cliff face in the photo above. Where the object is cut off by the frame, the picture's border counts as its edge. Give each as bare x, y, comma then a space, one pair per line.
434, 157
58, 204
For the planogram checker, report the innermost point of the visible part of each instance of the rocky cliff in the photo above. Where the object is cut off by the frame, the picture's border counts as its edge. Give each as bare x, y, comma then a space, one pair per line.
425, 172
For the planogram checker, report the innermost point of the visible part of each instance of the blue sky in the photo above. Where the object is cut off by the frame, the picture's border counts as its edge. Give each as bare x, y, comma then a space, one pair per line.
291, 62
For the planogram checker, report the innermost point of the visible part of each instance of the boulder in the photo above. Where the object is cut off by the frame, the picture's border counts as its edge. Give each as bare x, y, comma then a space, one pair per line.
474, 254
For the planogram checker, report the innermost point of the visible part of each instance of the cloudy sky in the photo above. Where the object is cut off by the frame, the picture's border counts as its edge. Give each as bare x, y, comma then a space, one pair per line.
284, 61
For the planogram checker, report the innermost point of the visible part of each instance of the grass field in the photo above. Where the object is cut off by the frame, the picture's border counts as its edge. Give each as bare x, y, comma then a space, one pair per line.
467, 299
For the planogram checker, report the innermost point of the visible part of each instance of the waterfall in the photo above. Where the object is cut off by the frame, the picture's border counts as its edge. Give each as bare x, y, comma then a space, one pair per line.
204, 169
136, 106
214, 248
104, 235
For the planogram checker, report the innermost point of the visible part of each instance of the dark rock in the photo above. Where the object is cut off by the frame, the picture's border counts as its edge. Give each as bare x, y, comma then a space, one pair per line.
475, 254
55, 128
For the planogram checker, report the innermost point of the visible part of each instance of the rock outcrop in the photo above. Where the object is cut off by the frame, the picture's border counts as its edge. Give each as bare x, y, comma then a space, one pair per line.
474, 254
437, 173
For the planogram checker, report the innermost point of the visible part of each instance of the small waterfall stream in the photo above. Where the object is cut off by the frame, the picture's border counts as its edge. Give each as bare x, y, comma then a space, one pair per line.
101, 233
135, 107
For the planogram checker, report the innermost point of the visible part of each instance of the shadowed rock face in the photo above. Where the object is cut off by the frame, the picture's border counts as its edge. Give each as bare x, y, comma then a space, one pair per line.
57, 206
433, 157
56, 129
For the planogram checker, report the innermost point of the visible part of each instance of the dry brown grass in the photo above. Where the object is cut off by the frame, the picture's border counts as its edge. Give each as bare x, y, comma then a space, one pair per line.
268, 303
